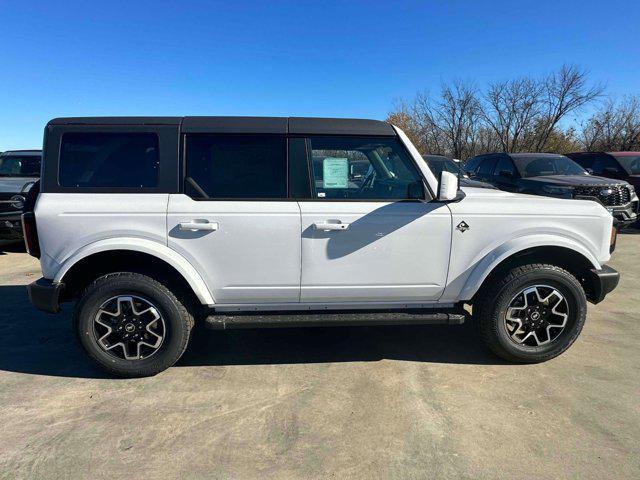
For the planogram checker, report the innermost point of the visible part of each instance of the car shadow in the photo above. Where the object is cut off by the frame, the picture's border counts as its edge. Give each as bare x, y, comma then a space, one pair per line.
634, 230
11, 247
37, 343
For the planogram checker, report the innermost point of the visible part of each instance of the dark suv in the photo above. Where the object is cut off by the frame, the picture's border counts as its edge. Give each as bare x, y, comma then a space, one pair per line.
554, 175
618, 165
19, 170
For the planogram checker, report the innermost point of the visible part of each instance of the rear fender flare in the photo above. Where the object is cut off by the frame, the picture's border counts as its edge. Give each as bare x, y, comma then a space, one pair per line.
149, 247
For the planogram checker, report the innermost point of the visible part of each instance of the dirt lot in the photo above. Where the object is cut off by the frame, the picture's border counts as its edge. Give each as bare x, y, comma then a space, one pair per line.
383, 402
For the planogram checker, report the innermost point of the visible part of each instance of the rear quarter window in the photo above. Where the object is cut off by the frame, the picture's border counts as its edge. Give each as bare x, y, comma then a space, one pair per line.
109, 159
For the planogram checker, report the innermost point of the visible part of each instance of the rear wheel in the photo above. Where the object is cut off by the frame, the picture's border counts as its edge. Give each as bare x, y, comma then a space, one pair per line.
132, 325
534, 313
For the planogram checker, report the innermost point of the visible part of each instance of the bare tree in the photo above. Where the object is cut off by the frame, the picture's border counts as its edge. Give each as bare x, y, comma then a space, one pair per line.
522, 114
564, 92
447, 124
616, 126
511, 110
402, 116
452, 120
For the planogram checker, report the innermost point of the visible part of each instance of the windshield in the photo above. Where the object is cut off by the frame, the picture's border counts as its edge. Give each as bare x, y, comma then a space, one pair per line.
539, 165
19, 166
630, 163
440, 164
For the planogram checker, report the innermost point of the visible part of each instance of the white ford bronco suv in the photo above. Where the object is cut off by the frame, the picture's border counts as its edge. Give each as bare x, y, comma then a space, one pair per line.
151, 224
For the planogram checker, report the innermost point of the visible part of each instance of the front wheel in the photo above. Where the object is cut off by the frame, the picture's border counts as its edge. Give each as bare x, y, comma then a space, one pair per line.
532, 314
132, 325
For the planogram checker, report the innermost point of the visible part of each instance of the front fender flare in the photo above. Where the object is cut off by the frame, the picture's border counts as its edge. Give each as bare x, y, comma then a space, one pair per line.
516, 245
149, 247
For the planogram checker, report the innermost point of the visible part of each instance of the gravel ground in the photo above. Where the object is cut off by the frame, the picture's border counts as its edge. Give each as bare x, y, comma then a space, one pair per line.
370, 402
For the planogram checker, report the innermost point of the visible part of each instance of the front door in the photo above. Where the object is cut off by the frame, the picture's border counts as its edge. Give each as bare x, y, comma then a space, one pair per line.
366, 237
234, 222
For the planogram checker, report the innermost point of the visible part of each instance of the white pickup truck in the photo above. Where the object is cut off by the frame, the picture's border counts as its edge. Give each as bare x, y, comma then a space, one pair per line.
151, 224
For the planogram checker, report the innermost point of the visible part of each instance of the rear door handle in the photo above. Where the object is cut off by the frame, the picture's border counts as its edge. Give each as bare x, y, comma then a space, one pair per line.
333, 226
195, 225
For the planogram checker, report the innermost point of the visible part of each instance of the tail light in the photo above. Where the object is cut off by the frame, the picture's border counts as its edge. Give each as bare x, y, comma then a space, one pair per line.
30, 233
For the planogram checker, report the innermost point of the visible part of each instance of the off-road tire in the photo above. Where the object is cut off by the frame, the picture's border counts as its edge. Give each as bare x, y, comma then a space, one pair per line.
494, 298
175, 312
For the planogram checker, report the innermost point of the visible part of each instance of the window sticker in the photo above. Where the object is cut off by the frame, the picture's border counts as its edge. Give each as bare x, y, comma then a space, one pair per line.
335, 172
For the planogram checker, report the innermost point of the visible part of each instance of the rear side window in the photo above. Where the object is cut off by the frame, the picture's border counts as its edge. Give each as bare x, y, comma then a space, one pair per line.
117, 160
236, 166
363, 168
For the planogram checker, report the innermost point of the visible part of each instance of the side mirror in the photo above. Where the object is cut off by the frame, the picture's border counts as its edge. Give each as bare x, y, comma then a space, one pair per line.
448, 189
589, 171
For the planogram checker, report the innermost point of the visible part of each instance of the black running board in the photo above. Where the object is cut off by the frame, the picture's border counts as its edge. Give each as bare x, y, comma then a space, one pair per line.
220, 321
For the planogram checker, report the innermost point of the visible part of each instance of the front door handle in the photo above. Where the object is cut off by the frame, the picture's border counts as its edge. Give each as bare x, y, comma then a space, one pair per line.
333, 226
195, 225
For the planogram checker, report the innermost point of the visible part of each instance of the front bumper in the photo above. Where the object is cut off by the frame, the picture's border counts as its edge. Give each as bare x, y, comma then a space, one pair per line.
625, 215
603, 281
45, 295
10, 227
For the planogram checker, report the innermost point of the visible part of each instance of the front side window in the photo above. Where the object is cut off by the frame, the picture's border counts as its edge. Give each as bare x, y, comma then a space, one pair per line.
236, 166
117, 160
630, 162
504, 168
486, 167
604, 165
471, 165
363, 168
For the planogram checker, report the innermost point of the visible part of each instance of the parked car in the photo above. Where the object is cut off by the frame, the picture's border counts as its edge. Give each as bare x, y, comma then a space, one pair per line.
555, 175
19, 169
440, 163
150, 224
617, 165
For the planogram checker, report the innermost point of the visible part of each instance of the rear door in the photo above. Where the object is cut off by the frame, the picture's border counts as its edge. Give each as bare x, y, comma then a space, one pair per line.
368, 234
234, 221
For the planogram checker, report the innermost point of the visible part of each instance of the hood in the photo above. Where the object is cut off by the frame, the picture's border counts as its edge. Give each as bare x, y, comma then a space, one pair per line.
572, 180
477, 192
467, 182
484, 200
634, 180
15, 184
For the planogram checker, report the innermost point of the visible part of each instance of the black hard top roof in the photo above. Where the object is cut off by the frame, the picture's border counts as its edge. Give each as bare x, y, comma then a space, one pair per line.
281, 125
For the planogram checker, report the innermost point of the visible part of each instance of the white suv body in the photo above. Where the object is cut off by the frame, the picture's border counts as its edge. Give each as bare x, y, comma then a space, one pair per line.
318, 243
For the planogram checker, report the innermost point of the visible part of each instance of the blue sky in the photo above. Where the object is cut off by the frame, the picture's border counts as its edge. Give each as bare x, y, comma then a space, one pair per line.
343, 59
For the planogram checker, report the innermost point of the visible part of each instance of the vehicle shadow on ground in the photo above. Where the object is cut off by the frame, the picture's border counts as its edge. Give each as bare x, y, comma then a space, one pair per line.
42, 344
14, 247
